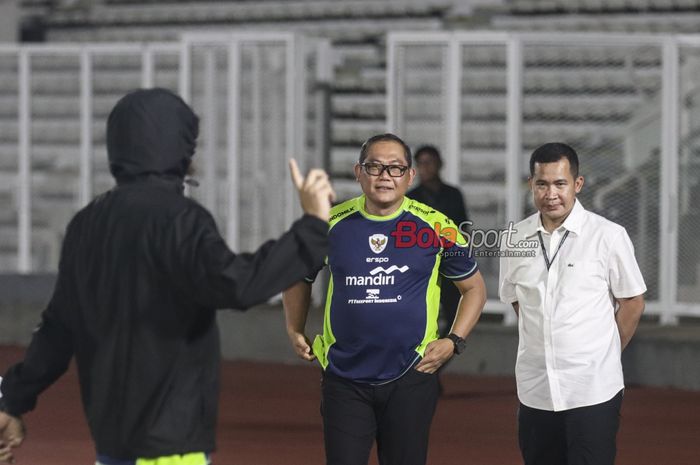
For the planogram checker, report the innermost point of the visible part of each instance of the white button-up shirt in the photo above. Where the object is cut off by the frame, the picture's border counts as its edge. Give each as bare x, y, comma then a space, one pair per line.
569, 352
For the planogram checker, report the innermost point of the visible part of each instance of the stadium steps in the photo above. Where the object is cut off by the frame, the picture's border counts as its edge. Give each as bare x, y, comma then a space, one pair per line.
348, 31
567, 95
538, 7
233, 13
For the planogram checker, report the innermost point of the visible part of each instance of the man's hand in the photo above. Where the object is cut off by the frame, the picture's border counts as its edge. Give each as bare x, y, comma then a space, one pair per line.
11, 436
302, 346
315, 191
628, 316
436, 354
296, 302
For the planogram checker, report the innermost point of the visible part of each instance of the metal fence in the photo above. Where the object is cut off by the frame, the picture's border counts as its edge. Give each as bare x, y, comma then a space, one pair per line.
627, 103
254, 93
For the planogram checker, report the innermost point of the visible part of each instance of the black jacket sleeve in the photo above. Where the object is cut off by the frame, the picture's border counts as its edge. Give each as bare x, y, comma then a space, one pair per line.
220, 278
48, 354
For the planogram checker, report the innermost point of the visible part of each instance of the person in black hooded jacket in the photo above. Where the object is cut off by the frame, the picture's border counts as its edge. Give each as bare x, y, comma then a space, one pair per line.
142, 270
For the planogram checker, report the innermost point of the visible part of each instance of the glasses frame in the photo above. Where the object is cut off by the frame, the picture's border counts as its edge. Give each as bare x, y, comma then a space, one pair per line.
402, 168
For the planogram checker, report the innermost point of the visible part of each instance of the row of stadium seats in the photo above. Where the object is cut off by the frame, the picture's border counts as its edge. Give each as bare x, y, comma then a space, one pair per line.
484, 106
364, 54
485, 129
554, 80
243, 12
339, 30
604, 57
530, 7
672, 22
489, 135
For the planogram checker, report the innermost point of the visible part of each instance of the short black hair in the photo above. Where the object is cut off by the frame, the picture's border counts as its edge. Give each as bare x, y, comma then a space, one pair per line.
552, 152
429, 150
388, 137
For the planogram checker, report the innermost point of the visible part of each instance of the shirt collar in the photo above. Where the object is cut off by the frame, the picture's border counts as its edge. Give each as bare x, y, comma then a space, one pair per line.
361, 207
573, 222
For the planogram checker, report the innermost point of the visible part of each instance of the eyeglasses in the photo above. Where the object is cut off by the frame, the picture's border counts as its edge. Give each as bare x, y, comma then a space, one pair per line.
376, 169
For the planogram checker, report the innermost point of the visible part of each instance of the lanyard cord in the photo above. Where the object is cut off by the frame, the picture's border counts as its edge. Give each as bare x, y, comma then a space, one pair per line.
544, 250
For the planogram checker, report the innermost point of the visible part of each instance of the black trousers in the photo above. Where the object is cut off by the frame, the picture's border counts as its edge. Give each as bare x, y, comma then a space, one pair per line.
397, 415
580, 436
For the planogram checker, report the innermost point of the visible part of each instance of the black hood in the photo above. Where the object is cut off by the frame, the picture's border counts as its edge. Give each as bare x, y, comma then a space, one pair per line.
151, 132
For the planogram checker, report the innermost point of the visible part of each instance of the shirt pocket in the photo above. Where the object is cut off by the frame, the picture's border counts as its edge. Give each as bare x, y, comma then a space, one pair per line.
582, 277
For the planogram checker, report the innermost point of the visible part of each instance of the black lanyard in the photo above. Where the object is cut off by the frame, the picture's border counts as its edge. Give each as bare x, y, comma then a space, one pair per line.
544, 249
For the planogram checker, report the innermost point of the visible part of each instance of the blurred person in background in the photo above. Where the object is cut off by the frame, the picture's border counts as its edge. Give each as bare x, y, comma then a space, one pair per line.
444, 198
142, 270
578, 301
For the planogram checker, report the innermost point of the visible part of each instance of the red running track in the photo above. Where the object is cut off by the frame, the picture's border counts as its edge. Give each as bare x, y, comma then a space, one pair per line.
269, 415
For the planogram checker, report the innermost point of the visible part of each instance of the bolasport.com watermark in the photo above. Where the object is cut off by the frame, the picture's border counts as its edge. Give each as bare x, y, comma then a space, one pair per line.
464, 240
497, 242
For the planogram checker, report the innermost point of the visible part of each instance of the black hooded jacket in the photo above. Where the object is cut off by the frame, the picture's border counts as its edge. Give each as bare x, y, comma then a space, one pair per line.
142, 270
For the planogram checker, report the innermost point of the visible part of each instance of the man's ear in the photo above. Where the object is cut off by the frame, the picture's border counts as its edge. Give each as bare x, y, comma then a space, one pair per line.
358, 171
411, 175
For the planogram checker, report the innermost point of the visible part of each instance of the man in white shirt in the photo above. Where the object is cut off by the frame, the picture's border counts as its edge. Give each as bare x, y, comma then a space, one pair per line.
578, 300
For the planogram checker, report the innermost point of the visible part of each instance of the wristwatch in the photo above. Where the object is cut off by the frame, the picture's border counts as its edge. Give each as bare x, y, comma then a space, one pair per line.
459, 343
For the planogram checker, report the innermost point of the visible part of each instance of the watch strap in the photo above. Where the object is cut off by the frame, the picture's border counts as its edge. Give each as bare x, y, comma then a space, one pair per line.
458, 342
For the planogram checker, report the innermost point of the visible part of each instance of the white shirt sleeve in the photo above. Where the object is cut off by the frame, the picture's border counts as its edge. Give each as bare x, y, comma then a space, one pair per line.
0, 387
626, 279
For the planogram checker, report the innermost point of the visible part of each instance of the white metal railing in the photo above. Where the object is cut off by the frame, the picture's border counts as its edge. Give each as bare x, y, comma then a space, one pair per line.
293, 109
666, 305
293, 112
24, 54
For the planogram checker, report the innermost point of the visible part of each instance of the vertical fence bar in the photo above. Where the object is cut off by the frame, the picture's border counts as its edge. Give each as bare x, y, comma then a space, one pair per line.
300, 119
514, 122
290, 126
391, 107
185, 80
185, 77
233, 141
85, 192
324, 76
24, 180
255, 137
210, 129
668, 259
300, 46
453, 108
147, 67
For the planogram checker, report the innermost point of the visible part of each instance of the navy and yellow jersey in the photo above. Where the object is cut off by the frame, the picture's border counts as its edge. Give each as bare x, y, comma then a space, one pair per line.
384, 292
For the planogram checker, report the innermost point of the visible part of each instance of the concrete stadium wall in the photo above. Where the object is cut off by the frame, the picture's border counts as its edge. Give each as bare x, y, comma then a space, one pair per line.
22, 299
657, 356
9, 20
